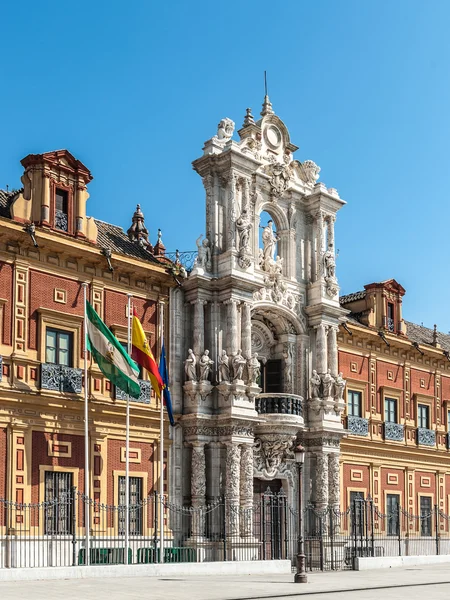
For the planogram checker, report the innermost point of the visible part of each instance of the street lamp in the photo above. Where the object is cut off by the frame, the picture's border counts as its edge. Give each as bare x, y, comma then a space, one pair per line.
300, 576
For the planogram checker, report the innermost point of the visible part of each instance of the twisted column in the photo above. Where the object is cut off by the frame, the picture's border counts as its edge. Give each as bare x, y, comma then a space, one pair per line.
334, 489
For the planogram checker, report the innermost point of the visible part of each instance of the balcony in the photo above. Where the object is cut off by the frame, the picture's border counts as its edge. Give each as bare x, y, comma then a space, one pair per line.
144, 398
394, 431
426, 437
61, 379
357, 425
283, 404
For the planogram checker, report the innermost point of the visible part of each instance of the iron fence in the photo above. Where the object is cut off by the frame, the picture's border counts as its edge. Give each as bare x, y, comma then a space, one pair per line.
52, 533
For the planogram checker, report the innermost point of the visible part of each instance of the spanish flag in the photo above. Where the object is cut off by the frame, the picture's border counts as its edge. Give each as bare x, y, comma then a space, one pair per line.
142, 354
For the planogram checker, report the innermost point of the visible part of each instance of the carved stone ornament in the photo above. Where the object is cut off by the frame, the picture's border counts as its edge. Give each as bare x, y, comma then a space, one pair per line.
325, 441
221, 432
275, 290
309, 172
203, 258
225, 130
280, 176
198, 479
269, 452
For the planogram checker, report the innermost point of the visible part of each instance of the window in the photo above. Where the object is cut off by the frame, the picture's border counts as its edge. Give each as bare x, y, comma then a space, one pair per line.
61, 204
448, 419
58, 347
136, 507
390, 410
272, 378
390, 316
393, 514
358, 511
425, 515
423, 416
58, 514
354, 403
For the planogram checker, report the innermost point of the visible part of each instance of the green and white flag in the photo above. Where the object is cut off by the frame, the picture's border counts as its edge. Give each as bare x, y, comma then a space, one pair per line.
109, 354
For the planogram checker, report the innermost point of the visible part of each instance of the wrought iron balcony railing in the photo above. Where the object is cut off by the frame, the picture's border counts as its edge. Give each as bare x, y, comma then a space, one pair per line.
426, 437
62, 379
357, 425
283, 404
394, 431
144, 398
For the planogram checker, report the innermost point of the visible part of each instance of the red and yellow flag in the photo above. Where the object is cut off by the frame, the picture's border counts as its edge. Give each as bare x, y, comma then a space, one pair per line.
142, 354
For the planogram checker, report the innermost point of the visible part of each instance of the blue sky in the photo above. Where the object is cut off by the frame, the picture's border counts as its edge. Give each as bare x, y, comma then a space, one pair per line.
134, 89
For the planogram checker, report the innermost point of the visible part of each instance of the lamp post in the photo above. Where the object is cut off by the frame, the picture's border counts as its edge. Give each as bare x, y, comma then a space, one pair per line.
300, 576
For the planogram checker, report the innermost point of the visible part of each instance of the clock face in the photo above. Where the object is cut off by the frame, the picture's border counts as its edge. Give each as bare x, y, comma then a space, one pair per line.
272, 135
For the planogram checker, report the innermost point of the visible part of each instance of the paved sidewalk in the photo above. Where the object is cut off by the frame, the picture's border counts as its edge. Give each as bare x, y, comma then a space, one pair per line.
431, 582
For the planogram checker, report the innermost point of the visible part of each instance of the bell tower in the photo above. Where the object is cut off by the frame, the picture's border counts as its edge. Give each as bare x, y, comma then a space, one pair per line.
260, 311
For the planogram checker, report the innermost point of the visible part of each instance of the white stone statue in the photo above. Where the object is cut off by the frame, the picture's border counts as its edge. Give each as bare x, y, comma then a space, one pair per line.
189, 366
339, 387
225, 129
269, 239
327, 384
224, 367
315, 382
205, 365
254, 369
288, 360
238, 362
329, 264
243, 226
203, 258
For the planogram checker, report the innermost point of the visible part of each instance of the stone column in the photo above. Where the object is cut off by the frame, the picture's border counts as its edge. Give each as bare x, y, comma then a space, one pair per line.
330, 227
293, 256
246, 330
246, 483
334, 489
332, 350
319, 245
232, 329
233, 472
321, 496
321, 349
199, 327
198, 488
45, 206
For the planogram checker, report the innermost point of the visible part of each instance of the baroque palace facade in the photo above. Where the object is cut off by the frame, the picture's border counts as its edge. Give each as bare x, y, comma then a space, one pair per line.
48, 249
398, 405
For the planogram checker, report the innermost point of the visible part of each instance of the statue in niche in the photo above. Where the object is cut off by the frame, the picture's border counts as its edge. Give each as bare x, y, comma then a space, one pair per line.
327, 383
329, 264
224, 367
238, 362
203, 258
254, 369
189, 366
205, 365
339, 387
288, 360
269, 239
243, 226
315, 382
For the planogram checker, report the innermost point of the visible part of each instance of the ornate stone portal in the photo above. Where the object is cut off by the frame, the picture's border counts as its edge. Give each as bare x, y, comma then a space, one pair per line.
266, 307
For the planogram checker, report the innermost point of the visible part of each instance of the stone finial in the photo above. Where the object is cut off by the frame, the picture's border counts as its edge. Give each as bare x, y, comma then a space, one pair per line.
435, 336
138, 232
267, 107
159, 249
248, 120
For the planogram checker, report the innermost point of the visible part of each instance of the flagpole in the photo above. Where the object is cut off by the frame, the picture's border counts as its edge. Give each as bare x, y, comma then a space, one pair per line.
127, 445
161, 451
86, 438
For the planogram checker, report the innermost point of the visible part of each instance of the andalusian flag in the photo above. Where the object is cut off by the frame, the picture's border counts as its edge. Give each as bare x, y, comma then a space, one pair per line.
112, 359
143, 355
